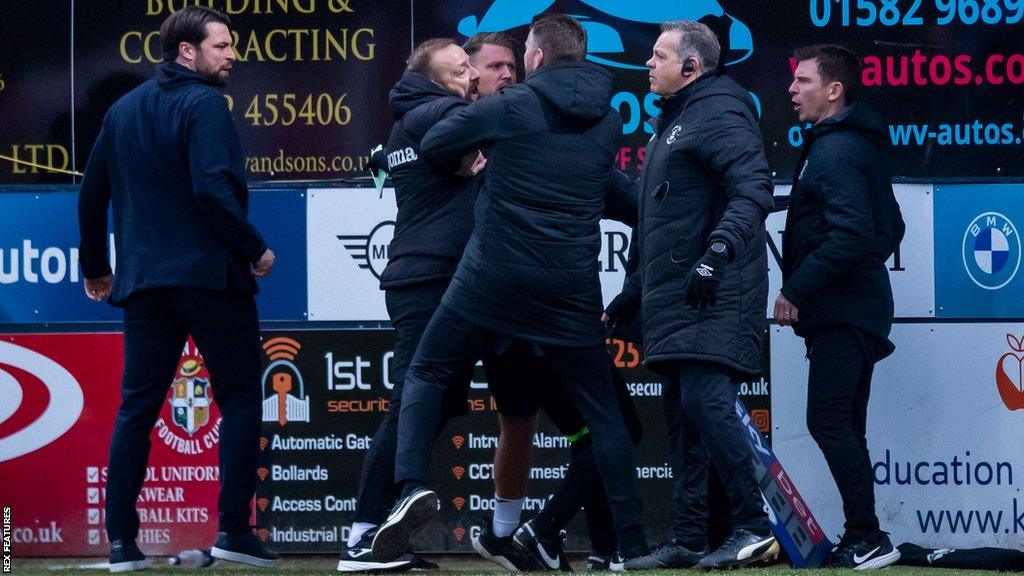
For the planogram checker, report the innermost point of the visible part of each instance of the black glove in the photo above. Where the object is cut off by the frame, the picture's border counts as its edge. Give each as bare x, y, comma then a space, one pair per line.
623, 308
705, 276
378, 160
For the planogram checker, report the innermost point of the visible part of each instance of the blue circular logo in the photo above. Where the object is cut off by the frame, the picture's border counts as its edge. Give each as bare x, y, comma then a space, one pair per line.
991, 250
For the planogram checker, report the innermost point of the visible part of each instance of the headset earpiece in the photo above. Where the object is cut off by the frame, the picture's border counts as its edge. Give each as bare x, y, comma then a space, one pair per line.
688, 67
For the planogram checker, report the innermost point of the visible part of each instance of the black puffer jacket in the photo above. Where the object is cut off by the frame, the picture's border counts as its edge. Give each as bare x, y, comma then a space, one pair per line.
705, 178
530, 269
843, 224
435, 207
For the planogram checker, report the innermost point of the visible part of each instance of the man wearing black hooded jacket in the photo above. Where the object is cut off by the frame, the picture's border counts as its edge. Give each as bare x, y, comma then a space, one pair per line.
530, 269
843, 224
705, 191
436, 84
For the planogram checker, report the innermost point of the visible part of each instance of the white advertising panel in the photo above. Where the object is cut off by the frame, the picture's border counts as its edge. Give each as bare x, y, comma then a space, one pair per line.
912, 276
348, 232
615, 238
943, 432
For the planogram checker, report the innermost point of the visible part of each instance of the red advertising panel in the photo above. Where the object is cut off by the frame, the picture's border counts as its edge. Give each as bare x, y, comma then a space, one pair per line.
324, 394
60, 394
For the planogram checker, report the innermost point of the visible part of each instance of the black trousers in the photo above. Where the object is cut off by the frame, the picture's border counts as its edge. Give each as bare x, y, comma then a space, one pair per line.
451, 344
699, 401
410, 309
581, 488
225, 328
838, 388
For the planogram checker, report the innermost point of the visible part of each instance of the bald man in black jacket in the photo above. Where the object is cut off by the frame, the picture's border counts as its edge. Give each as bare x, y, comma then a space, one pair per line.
435, 218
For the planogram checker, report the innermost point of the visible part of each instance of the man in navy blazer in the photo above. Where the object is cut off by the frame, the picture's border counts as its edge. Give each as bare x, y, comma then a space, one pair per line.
169, 161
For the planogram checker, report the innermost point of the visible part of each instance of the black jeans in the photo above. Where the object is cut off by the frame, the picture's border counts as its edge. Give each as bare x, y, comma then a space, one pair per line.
838, 388
451, 344
225, 328
581, 487
410, 309
699, 401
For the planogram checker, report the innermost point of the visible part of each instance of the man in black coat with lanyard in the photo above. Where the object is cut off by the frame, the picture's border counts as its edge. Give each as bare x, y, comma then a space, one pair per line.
705, 191
530, 269
843, 224
169, 160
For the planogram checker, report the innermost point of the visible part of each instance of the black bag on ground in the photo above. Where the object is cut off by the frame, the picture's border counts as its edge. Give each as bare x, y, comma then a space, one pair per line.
969, 558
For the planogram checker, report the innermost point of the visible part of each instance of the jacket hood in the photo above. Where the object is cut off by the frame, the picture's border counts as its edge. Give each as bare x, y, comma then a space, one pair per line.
579, 90
717, 85
708, 85
171, 75
859, 117
413, 90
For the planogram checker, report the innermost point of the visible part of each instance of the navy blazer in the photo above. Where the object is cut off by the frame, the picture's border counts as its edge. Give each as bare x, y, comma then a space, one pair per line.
169, 160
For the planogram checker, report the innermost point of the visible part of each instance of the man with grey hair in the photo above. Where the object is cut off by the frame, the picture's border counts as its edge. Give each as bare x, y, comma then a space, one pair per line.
702, 278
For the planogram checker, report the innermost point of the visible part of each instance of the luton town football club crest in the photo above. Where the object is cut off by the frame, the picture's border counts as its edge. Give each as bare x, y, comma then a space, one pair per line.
190, 396
189, 423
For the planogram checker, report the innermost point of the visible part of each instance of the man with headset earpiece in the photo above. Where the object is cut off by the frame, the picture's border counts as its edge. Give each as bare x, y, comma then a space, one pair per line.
704, 193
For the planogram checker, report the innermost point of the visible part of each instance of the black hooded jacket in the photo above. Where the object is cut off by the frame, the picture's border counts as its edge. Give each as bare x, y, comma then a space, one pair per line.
530, 269
843, 224
435, 207
705, 178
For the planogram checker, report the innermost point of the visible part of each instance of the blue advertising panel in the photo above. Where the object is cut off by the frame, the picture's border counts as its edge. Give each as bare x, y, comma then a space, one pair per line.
280, 215
41, 282
978, 251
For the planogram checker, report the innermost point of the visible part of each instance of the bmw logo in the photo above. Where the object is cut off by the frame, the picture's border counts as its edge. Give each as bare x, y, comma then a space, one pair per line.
991, 250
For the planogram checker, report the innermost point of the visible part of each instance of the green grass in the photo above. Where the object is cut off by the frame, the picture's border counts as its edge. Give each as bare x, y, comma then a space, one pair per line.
461, 565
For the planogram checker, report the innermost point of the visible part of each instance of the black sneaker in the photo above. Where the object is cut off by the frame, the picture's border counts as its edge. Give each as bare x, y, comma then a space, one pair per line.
359, 558
671, 554
547, 551
601, 563
863, 555
409, 515
126, 556
503, 551
740, 549
244, 548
